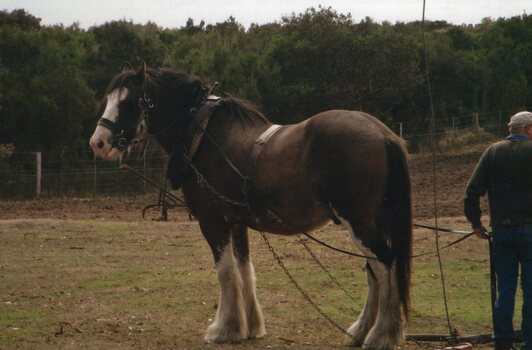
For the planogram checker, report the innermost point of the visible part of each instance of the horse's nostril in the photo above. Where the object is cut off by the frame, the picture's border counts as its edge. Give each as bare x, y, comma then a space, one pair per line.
100, 144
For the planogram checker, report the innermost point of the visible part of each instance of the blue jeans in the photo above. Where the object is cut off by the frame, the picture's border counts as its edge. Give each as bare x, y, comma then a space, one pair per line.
512, 247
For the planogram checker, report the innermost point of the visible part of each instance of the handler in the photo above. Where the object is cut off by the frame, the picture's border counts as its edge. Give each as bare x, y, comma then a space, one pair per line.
505, 173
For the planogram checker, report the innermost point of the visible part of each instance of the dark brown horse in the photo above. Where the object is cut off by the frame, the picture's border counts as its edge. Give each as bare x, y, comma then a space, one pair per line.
340, 165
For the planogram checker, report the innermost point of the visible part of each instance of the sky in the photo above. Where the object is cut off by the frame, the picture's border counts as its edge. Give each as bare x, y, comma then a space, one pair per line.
174, 13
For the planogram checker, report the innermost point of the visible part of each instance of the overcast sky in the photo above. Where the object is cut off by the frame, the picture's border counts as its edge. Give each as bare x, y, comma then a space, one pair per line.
174, 13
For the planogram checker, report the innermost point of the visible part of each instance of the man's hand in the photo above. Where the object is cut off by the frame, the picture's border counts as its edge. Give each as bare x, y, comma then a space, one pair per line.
481, 232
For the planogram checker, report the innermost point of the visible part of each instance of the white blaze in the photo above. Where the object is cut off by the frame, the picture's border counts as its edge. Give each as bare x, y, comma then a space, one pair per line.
101, 139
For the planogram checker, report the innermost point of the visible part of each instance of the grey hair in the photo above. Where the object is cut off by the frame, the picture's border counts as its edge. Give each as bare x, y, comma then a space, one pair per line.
519, 121
515, 129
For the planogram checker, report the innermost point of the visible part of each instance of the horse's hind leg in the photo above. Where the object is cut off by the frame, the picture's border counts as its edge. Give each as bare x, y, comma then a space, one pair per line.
387, 330
389, 325
365, 321
254, 316
230, 324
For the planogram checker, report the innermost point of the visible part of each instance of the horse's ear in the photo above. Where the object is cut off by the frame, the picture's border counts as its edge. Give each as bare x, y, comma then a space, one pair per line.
141, 73
142, 69
126, 67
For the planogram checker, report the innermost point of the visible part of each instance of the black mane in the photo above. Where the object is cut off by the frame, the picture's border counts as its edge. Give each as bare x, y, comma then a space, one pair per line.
188, 92
244, 110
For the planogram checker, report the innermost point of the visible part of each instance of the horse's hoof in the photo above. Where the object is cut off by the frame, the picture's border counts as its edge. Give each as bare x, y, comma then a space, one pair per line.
357, 332
381, 341
216, 334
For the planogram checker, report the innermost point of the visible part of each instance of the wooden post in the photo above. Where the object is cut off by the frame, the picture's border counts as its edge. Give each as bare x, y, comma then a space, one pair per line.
401, 129
61, 174
38, 172
94, 177
474, 120
453, 126
500, 133
144, 170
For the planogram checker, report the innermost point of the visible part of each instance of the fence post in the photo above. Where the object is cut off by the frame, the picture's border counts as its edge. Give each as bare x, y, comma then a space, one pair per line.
94, 176
38, 173
453, 127
61, 174
144, 170
474, 119
500, 133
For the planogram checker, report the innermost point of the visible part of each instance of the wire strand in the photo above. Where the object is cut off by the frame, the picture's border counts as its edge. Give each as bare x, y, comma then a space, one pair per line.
434, 187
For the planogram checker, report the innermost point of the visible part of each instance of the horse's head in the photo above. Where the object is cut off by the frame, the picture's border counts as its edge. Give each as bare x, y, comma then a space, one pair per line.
122, 122
158, 101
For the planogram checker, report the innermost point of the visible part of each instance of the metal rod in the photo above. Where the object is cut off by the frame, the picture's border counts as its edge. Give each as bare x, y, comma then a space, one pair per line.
441, 229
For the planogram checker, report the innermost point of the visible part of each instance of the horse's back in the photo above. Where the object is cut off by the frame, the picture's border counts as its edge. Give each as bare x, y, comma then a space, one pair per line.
334, 157
348, 155
354, 126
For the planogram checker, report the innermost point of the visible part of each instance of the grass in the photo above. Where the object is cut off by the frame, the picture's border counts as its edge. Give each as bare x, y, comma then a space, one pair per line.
100, 284
460, 141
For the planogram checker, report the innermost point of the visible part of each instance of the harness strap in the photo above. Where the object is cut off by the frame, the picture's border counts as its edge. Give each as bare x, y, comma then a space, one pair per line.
109, 124
119, 140
197, 128
257, 147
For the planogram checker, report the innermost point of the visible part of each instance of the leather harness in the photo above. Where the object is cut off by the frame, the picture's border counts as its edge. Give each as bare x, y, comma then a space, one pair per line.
197, 128
194, 136
257, 147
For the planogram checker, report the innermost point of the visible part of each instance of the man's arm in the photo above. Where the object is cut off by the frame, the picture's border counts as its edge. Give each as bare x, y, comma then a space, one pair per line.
477, 187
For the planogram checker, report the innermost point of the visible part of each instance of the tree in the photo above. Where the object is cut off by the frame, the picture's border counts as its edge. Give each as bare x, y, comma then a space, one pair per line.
322, 60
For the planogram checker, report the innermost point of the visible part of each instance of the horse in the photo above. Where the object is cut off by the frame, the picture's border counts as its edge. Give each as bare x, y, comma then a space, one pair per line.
338, 165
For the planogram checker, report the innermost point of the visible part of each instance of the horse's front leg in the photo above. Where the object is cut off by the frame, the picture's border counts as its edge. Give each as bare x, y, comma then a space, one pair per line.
254, 315
230, 324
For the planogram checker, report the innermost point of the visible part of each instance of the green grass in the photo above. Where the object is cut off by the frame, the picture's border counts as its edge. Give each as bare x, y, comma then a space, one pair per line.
16, 318
144, 284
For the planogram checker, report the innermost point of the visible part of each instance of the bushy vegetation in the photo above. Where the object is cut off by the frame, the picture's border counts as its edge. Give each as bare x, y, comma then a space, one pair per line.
52, 77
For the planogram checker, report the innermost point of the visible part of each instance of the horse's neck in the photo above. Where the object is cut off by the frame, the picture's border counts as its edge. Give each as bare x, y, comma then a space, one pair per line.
224, 132
170, 133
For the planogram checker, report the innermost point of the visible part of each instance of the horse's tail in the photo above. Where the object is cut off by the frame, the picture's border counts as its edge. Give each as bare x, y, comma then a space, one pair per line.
398, 216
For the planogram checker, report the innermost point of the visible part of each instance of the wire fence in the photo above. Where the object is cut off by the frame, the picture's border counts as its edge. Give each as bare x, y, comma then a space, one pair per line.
30, 174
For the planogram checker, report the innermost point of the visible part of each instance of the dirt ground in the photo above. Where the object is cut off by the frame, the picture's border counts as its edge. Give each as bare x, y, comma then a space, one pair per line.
89, 273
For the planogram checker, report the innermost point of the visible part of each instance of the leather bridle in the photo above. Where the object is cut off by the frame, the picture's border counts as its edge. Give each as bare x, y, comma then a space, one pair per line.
122, 138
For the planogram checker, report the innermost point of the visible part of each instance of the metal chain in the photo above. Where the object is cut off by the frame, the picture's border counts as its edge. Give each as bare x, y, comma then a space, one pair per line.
298, 287
326, 270
204, 183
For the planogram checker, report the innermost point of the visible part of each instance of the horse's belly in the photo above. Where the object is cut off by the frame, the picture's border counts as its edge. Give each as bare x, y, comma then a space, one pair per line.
289, 220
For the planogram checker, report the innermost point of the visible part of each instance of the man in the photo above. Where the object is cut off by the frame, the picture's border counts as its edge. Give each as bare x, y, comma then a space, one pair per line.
505, 173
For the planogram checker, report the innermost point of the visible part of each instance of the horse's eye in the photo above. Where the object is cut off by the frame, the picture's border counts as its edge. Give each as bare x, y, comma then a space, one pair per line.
128, 113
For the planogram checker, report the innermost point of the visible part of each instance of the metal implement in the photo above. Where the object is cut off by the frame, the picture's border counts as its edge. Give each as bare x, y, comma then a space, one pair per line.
441, 229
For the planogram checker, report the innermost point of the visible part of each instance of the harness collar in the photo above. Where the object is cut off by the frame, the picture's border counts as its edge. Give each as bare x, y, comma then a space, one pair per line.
198, 124
190, 139
257, 147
